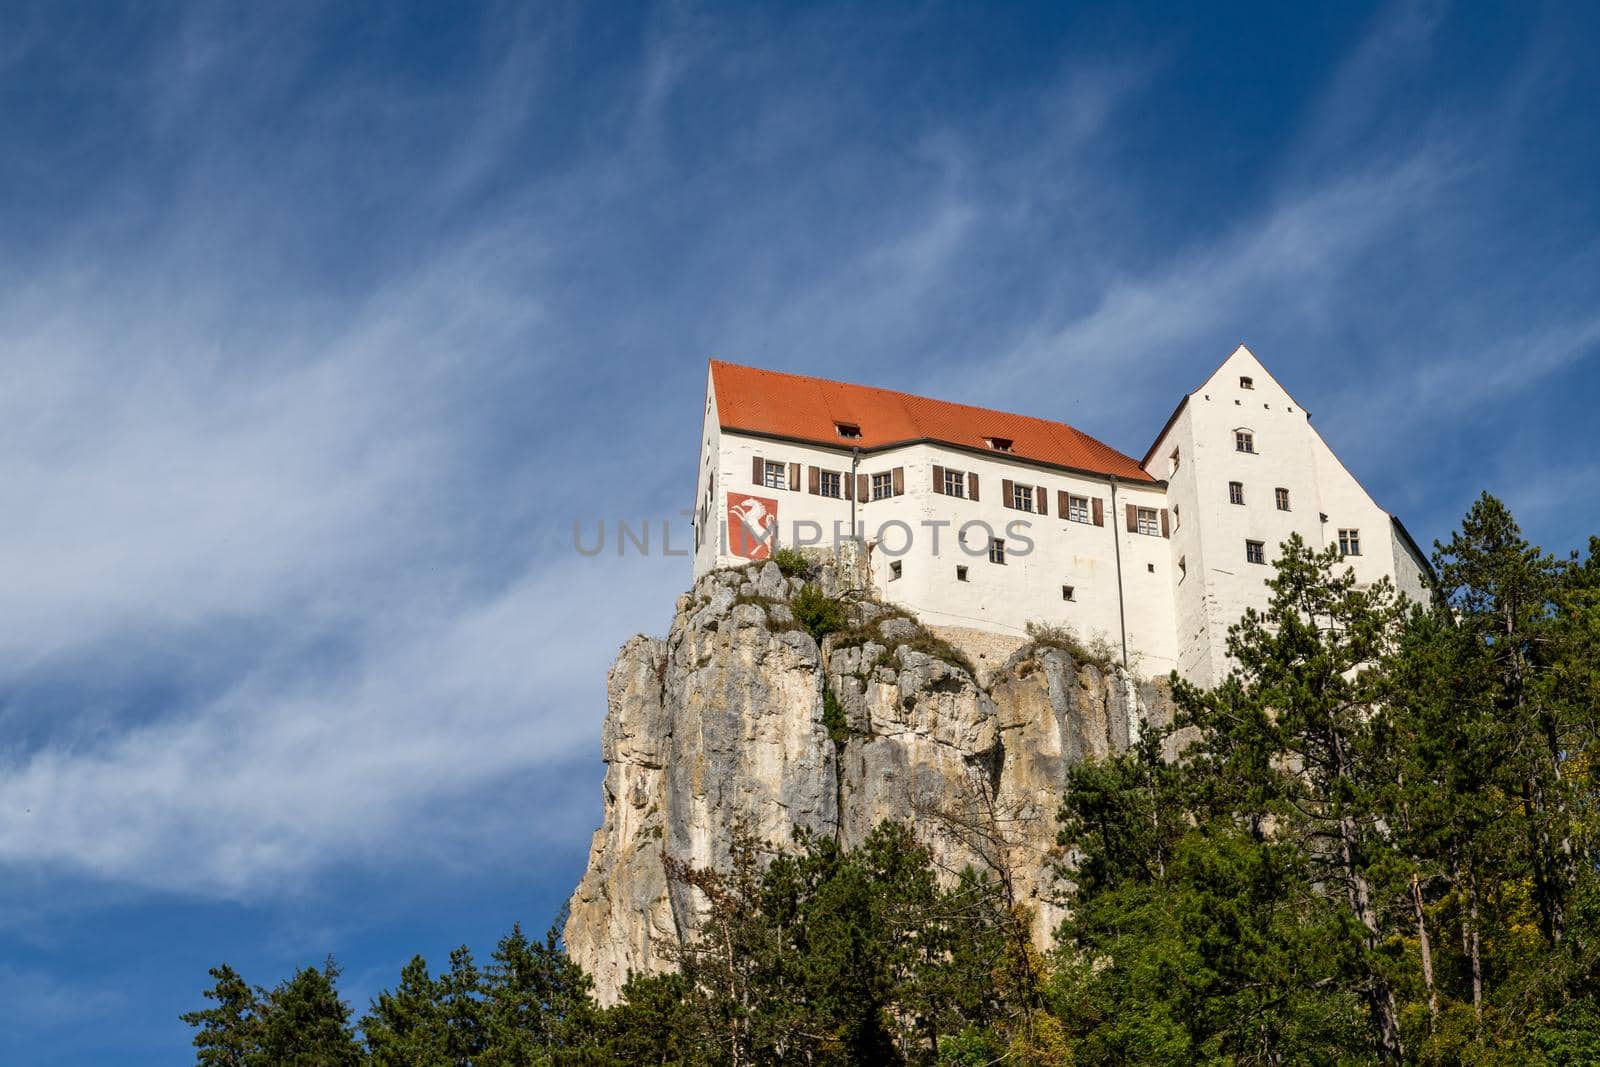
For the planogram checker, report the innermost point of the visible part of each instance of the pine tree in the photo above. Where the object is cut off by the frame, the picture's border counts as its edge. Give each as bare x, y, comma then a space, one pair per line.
407, 1026
230, 1033
538, 1001
306, 1024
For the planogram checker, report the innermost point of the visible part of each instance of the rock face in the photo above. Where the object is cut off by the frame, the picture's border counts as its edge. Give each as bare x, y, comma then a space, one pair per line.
722, 725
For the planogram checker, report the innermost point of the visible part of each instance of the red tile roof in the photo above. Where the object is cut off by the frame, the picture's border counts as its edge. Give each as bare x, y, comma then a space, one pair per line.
810, 409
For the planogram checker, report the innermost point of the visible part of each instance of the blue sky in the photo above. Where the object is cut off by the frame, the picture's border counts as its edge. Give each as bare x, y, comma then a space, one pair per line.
320, 325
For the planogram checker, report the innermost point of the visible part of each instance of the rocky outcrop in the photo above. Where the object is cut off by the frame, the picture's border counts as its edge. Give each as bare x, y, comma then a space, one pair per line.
722, 725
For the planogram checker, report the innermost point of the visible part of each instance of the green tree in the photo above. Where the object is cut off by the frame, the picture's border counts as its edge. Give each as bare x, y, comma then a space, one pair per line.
229, 1034
538, 1001
407, 1026
306, 1024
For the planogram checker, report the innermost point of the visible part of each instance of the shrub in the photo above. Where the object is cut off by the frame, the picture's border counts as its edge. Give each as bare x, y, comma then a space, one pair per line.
833, 718
817, 612
792, 562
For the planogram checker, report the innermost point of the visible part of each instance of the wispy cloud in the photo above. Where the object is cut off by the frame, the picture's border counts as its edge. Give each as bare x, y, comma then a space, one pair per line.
302, 402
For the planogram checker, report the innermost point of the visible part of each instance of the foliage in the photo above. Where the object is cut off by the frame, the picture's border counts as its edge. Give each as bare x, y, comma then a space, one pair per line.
1049, 635
1377, 844
792, 562
833, 717
1379, 841
818, 613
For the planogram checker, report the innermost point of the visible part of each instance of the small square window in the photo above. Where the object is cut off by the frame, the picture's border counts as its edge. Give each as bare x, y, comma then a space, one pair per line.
882, 485
955, 483
848, 430
1236, 492
999, 444
997, 551
1247, 383
1244, 441
894, 570
1022, 497
1255, 552
1150, 567
1174, 461
1177, 519
1078, 508
1067, 592
828, 483
774, 475
961, 573
1283, 498
1183, 567
1349, 542
1149, 522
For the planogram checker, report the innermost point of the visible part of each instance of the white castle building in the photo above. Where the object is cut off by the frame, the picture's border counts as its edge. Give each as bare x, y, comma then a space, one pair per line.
982, 522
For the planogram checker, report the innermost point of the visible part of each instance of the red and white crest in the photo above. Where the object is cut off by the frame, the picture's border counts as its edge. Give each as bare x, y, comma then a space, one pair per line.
752, 526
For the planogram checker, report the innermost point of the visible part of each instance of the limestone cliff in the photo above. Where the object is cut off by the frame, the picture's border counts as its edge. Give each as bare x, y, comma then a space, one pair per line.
724, 723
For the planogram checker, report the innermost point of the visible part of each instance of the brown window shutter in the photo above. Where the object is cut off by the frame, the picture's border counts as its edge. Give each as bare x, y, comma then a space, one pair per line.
849, 486
814, 481
972, 485
1041, 500
863, 488
1133, 519
1099, 512
1061, 503
1166, 531
899, 481
756, 472
1007, 497
938, 479
794, 476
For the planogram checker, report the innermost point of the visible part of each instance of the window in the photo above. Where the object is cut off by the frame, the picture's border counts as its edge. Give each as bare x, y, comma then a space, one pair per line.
999, 444
955, 483
1078, 508
828, 483
882, 485
1244, 440
1066, 592
1255, 552
997, 551
847, 429
1149, 522
1183, 567
1283, 498
1022, 497
773, 478
1174, 461
1236, 492
961, 574
1349, 542
894, 570
1177, 519
1247, 383
1150, 568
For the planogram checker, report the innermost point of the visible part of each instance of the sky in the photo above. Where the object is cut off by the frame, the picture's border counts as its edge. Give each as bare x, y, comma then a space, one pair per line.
321, 325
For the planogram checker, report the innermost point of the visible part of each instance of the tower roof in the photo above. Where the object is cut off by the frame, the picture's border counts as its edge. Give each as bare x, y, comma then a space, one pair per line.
809, 409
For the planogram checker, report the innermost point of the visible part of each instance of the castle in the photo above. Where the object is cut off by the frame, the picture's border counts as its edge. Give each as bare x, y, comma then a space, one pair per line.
982, 522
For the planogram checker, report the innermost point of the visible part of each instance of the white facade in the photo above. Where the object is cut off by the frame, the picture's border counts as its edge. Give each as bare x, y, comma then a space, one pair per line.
1167, 569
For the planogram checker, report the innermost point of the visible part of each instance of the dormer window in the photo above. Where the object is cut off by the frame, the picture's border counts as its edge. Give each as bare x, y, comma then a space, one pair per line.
848, 430
999, 444
1247, 383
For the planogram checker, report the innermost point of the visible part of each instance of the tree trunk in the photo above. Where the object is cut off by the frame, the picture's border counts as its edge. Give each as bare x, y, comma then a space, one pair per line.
1475, 952
1426, 950
1380, 997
